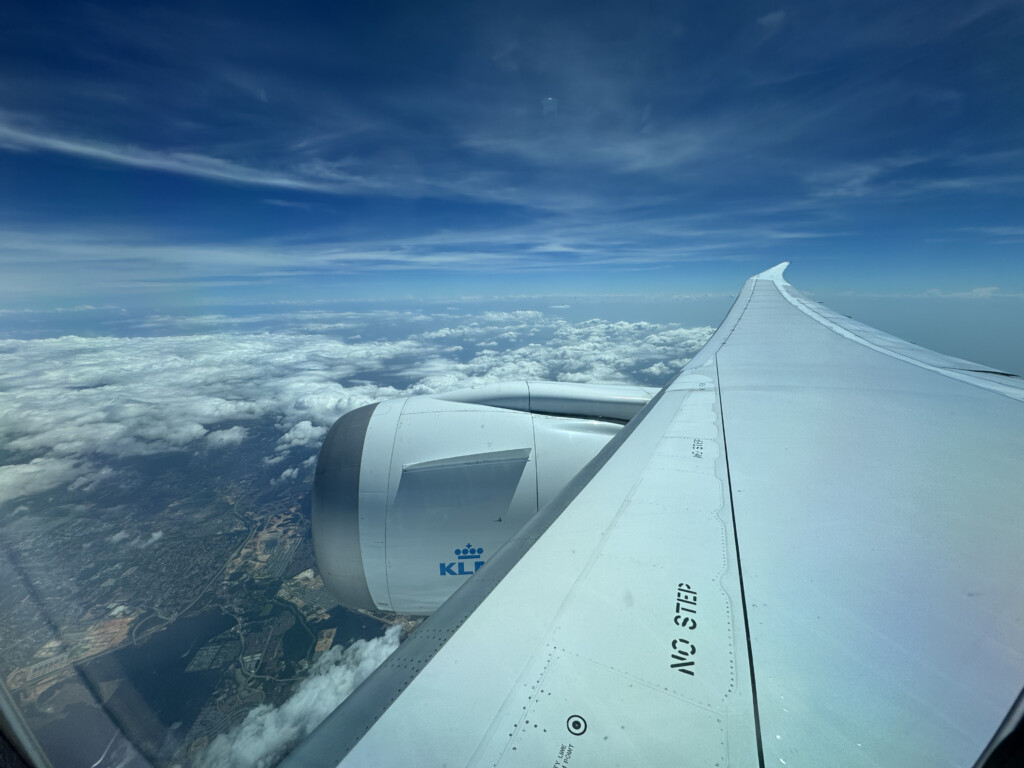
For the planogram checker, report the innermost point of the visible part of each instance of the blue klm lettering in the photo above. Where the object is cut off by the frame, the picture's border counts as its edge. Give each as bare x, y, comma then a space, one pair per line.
465, 556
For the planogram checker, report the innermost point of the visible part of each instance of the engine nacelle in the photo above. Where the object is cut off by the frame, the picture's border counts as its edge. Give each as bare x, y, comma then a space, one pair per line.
412, 495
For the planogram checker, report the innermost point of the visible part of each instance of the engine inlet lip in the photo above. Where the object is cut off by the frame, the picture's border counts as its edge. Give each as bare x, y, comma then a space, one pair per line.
335, 509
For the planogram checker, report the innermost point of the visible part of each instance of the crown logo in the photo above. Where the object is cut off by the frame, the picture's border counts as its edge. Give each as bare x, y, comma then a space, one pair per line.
469, 552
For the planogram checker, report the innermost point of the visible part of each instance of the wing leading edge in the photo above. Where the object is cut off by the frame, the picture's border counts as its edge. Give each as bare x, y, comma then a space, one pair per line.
803, 550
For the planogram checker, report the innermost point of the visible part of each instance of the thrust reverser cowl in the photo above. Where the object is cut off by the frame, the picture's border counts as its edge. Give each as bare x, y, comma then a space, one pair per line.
411, 496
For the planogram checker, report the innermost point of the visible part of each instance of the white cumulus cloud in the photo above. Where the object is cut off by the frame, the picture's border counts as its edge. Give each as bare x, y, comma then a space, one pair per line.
267, 733
222, 438
301, 435
38, 475
289, 474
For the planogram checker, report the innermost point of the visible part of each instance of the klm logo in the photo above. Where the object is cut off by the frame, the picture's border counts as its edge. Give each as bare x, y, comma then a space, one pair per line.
465, 557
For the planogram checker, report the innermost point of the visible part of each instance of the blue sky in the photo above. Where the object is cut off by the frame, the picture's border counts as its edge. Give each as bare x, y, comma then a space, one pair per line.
191, 154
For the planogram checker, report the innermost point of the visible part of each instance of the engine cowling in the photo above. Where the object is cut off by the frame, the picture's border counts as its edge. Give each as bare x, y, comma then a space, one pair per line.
412, 495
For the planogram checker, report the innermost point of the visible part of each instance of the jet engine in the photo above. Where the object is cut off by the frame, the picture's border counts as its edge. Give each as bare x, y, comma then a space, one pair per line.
411, 496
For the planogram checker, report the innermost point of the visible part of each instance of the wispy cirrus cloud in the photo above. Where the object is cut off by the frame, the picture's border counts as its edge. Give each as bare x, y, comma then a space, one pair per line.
1003, 234
511, 141
184, 163
907, 176
136, 260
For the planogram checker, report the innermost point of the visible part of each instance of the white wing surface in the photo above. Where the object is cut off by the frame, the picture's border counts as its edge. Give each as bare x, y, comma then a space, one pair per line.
805, 551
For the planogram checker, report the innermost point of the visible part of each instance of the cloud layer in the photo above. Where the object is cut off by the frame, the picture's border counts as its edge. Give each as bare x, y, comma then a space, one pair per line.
72, 406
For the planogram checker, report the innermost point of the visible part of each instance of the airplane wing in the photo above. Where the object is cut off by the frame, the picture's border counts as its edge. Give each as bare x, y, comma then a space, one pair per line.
806, 550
